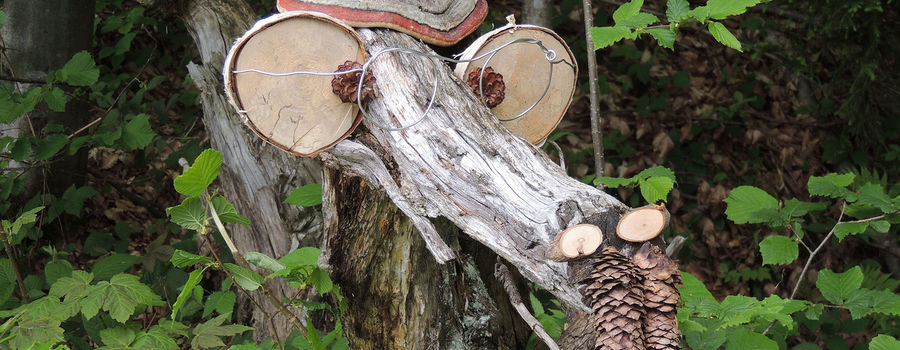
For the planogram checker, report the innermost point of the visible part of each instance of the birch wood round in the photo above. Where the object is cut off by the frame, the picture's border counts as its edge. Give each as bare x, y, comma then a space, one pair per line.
296, 113
525, 71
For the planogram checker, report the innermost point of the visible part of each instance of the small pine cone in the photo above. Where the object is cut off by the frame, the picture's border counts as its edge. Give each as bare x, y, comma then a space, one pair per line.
615, 294
492, 82
661, 297
345, 85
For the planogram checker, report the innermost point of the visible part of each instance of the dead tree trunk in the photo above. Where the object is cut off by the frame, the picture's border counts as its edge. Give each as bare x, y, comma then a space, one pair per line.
255, 176
408, 213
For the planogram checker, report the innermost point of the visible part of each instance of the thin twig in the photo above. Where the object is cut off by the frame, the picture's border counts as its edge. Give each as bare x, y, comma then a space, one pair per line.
21, 80
15, 266
502, 274
596, 135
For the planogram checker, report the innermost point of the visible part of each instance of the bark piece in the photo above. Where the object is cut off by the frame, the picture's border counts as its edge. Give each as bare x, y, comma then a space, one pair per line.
661, 278
296, 113
439, 22
525, 71
643, 224
616, 297
575, 242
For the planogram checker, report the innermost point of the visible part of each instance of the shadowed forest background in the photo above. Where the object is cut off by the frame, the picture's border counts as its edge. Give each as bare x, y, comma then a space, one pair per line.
815, 91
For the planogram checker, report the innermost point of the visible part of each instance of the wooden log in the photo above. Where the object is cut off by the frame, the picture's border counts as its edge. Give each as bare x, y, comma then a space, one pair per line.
643, 224
575, 242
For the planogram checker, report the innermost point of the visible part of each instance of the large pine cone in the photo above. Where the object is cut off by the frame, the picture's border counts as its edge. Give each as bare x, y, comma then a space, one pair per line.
661, 276
345, 85
492, 83
616, 296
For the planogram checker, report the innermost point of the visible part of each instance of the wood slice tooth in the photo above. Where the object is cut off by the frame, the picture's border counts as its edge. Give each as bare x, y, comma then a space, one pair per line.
575, 242
642, 224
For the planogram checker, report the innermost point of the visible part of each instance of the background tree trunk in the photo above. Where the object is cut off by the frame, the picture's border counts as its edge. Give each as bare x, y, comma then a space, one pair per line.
537, 12
38, 37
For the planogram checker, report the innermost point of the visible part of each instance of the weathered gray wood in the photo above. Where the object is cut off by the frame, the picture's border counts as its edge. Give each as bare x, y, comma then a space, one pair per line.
255, 177
438, 14
459, 163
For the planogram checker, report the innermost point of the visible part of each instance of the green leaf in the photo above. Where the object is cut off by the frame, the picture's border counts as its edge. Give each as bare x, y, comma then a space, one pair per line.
306, 196
843, 229
880, 225
627, 10
744, 339
657, 171
305, 256
244, 277
189, 214
614, 182
117, 338
665, 37
113, 264
745, 201
795, 208
700, 13
639, 20
264, 261
73, 288
120, 297
182, 258
864, 302
837, 287
221, 302
54, 270
207, 334
606, 36
320, 279
719, 9
677, 10
656, 189
724, 36
155, 338
193, 279
227, 212
832, 185
79, 71
137, 134
884, 342
694, 293
25, 218
56, 99
200, 175
737, 309
874, 195
778, 250
73, 199
48, 146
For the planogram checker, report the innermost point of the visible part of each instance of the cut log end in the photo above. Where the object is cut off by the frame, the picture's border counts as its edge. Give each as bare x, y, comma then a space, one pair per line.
643, 224
575, 242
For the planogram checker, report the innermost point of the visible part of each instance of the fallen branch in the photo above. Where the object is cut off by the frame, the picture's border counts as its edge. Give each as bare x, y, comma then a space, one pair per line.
502, 274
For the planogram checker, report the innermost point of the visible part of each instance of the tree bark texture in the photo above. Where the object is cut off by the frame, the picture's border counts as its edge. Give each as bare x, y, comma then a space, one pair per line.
537, 12
411, 279
38, 37
399, 297
255, 176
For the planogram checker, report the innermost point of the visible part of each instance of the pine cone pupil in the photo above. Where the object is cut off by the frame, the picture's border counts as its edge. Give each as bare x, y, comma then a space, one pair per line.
346, 85
491, 83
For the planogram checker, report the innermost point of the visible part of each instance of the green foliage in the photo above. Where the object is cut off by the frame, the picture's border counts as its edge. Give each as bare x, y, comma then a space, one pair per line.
630, 22
306, 196
654, 183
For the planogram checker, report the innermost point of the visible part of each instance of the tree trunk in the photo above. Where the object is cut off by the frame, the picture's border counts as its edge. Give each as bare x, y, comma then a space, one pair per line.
41, 36
537, 12
255, 176
462, 182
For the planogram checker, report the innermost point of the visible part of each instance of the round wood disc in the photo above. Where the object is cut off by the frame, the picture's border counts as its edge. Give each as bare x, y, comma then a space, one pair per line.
296, 113
525, 70
642, 224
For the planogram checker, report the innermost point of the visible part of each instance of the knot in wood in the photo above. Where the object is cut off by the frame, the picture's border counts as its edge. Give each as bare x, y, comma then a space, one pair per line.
345, 85
492, 83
